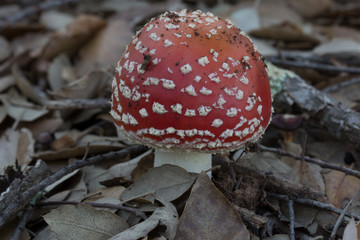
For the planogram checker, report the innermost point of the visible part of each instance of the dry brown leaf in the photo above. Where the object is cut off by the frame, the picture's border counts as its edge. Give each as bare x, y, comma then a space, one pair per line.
308, 175
109, 192
105, 49
20, 109
143, 166
338, 31
340, 188
45, 234
6, 82
43, 125
78, 190
167, 182
331, 150
55, 76
209, 215
77, 151
309, 8
288, 33
266, 162
25, 147
89, 86
8, 149
302, 172
275, 13
29, 45
126, 169
348, 95
60, 196
93, 175
324, 219
77, 32
304, 215
26, 87
339, 47
84, 222
65, 141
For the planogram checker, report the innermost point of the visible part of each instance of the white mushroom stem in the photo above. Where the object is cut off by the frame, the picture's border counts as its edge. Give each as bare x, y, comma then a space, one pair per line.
190, 161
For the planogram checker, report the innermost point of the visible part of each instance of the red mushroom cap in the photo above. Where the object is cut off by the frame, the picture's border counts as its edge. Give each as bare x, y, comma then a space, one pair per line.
191, 80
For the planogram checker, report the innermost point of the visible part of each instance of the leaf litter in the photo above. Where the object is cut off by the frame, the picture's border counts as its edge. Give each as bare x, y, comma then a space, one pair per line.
209, 215
84, 222
70, 53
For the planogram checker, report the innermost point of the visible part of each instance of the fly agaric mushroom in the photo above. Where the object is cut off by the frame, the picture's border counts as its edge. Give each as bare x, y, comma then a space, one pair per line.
191, 84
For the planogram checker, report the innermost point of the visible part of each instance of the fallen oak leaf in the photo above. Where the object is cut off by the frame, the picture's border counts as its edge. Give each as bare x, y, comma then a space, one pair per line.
209, 215
167, 182
340, 188
84, 222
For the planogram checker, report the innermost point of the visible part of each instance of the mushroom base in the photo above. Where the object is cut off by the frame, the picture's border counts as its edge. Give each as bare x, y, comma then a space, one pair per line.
190, 161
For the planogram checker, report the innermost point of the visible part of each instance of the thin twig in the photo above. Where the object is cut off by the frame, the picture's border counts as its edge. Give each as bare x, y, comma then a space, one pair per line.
26, 196
98, 205
238, 182
69, 104
336, 87
291, 219
312, 65
290, 204
324, 206
341, 217
310, 160
312, 203
32, 10
26, 215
